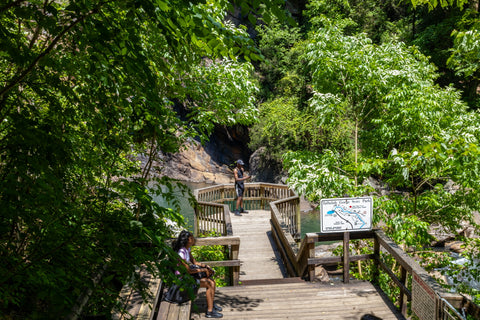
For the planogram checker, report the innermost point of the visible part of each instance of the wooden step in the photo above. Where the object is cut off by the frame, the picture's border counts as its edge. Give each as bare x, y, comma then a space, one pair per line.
296, 299
271, 281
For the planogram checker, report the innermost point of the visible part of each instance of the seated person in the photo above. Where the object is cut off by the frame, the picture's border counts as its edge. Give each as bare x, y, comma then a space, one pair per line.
183, 246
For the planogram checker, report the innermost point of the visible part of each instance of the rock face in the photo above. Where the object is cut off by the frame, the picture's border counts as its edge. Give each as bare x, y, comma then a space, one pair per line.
210, 163
214, 161
196, 165
263, 168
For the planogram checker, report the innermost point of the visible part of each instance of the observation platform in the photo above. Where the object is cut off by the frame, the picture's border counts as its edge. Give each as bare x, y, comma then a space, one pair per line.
265, 290
271, 266
272, 271
258, 254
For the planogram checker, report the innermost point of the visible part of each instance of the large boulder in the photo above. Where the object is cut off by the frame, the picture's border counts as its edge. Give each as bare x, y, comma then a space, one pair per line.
212, 162
196, 165
264, 168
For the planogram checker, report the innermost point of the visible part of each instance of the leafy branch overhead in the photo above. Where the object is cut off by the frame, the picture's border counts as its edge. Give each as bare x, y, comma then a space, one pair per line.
87, 90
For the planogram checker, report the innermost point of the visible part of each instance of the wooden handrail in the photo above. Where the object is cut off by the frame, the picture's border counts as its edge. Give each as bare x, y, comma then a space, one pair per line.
302, 262
212, 214
233, 243
215, 202
300, 259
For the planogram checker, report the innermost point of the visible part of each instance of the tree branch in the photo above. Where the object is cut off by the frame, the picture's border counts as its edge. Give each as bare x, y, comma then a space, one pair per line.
11, 4
33, 64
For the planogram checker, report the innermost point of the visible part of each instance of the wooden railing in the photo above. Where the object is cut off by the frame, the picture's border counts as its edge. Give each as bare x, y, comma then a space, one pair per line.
287, 212
214, 217
212, 214
232, 244
413, 281
214, 203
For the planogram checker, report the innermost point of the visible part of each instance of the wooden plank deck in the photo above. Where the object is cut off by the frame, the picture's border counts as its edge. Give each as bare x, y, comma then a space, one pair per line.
258, 254
303, 300
265, 293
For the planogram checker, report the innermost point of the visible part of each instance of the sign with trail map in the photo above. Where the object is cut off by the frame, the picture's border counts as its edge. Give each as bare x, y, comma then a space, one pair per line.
346, 214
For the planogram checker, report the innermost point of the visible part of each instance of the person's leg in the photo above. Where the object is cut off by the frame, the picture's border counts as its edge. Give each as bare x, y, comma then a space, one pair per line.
204, 283
239, 194
212, 292
212, 309
239, 202
242, 210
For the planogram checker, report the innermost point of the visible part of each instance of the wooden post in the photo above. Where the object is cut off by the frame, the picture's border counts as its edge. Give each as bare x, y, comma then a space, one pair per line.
298, 233
235, 270
403, 280
346, 257
376, 267
311, 254
195, 222
262, 197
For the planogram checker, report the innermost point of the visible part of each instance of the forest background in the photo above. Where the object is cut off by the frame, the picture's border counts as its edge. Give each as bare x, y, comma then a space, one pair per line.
336, 92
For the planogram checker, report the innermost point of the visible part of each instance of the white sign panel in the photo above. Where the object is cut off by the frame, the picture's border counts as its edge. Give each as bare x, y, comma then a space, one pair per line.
340, 214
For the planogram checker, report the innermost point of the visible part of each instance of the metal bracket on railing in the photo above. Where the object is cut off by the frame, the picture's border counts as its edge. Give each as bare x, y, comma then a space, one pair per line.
447, 310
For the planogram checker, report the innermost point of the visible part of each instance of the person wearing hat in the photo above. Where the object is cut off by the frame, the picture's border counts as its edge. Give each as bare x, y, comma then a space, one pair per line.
239, 187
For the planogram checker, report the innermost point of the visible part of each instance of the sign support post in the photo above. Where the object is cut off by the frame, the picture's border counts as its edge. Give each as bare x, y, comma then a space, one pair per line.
346, 257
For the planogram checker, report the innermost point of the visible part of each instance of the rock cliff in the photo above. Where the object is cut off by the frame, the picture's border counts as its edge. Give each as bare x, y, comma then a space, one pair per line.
212, 162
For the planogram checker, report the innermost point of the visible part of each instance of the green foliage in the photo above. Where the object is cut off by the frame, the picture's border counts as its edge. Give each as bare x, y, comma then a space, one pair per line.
412, 134
282, 126
408, 231
353, 17
281, 70
464, 58
232, 102
466, 275
87, 90
416, 137
443, 3
213, 253
318, 176
391, 107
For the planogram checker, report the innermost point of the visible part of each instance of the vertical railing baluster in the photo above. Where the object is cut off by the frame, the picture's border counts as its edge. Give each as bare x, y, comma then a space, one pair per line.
402, 301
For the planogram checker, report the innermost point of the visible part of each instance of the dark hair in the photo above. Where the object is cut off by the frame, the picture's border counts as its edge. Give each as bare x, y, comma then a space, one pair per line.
182, 240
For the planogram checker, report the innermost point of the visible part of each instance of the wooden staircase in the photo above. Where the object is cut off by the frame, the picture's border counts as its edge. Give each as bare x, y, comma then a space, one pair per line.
295, 299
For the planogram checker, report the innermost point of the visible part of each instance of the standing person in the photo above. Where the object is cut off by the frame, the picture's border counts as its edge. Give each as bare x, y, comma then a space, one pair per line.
183, 246
239, 187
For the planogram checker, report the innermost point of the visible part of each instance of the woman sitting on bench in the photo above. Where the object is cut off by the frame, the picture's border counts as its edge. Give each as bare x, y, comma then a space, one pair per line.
183, 246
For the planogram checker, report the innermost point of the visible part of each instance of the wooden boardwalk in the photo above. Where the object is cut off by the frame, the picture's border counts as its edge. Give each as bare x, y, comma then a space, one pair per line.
258, 255
266, 293
301, 300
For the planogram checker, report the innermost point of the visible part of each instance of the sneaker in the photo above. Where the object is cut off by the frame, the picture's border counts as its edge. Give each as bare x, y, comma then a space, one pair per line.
216, 307
213, 314
243, 210
237, 213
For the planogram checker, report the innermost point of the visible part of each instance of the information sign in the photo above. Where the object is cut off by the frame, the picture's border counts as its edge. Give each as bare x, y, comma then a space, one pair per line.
341, 214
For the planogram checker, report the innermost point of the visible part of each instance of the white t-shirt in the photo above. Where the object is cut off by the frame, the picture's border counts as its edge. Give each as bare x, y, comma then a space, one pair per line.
184, 253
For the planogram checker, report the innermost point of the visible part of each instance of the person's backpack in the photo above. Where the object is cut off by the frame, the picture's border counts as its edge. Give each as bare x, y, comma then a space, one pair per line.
179, 295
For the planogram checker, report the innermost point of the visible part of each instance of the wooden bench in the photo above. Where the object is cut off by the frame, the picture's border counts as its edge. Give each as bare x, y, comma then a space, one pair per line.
172, 311
133, 306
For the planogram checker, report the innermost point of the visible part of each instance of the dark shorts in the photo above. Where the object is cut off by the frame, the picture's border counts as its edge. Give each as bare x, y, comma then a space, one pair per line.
239, 191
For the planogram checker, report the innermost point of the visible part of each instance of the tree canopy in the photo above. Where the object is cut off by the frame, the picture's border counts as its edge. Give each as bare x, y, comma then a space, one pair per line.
92, 91
88, 97
390, 104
